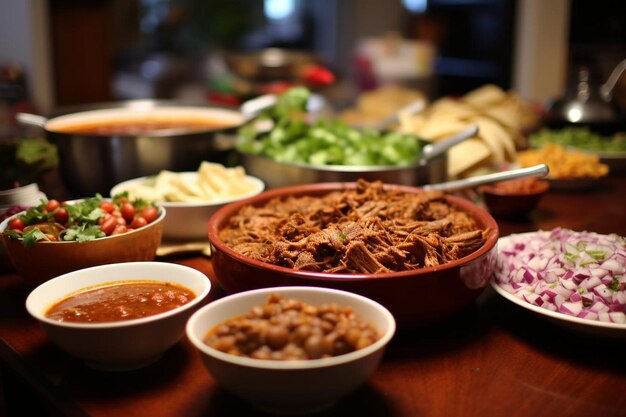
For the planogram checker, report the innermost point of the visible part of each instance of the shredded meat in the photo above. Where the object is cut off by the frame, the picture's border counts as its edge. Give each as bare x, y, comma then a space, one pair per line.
368, 229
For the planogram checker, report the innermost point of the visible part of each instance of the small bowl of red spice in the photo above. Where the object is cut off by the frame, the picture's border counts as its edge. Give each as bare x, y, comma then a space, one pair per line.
514, 198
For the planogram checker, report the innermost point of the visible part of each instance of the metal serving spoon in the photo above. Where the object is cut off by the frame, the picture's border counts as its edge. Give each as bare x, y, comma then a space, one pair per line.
410, 109
540, 170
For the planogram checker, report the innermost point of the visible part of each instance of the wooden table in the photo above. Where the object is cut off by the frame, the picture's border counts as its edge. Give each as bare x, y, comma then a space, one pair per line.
492, 359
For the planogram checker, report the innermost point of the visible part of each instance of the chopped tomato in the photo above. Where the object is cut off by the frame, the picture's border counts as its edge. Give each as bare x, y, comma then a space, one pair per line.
16, 224
150, 213
52, 205
61, 215
107, 206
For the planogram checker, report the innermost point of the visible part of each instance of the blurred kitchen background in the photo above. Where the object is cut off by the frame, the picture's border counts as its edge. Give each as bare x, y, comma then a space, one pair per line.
58, 53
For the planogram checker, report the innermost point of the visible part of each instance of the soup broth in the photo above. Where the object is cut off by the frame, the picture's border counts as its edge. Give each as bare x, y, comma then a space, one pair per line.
143, 126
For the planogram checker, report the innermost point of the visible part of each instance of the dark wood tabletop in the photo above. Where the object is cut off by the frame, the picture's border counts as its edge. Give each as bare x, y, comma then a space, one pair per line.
491, 359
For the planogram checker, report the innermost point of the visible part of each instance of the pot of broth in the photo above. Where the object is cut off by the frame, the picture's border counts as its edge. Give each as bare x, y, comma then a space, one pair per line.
101, 145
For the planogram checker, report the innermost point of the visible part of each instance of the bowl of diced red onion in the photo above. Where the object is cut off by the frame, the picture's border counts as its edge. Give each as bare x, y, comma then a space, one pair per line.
577, 278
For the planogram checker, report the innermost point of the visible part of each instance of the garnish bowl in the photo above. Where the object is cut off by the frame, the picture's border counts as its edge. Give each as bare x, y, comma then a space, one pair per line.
45, 260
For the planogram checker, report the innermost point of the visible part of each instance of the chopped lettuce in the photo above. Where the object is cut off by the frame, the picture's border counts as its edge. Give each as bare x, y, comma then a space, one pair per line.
323, 142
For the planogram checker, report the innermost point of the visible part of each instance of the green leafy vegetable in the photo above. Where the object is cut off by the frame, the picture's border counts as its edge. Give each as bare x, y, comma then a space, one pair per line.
323, 142
597, 254
615, 284
83, 233
23, 160
32, 236
581, 138
83, 220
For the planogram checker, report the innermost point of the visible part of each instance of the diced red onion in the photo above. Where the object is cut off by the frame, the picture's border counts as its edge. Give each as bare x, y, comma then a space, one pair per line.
582, 274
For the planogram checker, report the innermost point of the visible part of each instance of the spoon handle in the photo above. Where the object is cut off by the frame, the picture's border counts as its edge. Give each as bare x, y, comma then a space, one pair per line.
253, 107
410, 109
433, 150
30, 119
533, 171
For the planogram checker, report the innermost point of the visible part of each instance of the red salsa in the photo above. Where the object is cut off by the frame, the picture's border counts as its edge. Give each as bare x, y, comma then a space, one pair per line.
118, 301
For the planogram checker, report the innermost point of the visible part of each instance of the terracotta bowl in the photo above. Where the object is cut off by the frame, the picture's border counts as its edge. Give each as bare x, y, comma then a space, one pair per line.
413, 297
511, 202
44, 260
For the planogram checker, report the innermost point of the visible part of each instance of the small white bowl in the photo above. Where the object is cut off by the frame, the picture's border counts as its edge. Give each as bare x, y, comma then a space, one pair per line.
188, 221
120, 345
26, 195
291, 386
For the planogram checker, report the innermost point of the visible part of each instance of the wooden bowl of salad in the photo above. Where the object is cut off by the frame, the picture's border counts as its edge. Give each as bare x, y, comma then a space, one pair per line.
55, 237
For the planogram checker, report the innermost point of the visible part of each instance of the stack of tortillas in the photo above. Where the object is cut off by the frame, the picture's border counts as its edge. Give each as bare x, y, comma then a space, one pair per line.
500, 116
375, 105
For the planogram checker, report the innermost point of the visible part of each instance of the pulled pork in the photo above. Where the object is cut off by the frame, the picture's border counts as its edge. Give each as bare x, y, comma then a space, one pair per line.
365, 230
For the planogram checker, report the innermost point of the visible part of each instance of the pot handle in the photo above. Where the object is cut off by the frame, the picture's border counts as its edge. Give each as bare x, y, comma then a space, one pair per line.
29, 119
533, 171
606, 89
433, 150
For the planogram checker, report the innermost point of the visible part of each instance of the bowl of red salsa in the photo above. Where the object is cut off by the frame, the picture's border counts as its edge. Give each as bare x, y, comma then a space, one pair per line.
120, 316
514, 198
64, 236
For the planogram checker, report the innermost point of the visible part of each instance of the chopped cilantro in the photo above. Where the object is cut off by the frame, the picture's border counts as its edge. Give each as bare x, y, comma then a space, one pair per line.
32, 236
615, 284
83, 223
83, 233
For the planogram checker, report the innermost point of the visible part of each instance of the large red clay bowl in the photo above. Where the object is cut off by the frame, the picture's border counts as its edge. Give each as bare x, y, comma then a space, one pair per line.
414, 297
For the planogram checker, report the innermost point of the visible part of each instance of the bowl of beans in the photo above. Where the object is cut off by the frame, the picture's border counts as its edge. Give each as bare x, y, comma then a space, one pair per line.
423, 255
291, 349
65, 236
120, 316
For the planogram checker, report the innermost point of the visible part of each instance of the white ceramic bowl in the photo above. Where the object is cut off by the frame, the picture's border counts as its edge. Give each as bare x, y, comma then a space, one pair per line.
121, 345
188, 221
291, 386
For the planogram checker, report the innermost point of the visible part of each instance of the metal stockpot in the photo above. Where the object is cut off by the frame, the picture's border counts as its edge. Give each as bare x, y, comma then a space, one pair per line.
91, 163
431, 168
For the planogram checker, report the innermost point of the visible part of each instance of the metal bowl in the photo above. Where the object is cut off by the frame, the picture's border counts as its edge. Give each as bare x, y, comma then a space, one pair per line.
277, 174
92, 163
430, 168
271, 64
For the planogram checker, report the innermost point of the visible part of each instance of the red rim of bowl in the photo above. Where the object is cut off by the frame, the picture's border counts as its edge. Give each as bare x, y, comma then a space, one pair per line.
321, 188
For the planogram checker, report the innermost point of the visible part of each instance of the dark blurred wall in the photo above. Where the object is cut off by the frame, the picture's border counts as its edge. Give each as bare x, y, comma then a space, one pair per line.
81, 38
